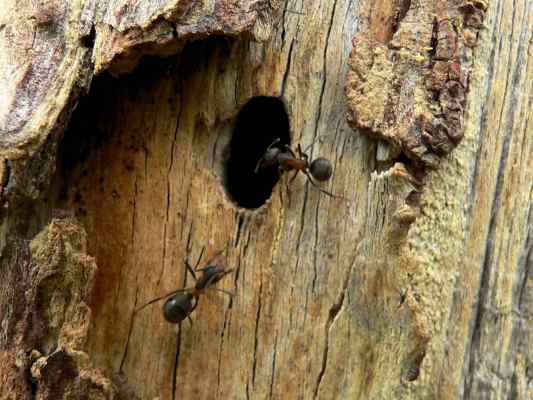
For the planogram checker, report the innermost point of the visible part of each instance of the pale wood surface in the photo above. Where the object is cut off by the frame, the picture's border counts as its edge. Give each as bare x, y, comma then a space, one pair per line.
334, 298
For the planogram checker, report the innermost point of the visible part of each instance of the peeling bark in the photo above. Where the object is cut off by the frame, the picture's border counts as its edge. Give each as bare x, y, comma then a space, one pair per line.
46, 286
409, 73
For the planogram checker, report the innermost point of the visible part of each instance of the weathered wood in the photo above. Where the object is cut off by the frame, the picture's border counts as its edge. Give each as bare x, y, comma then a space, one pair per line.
409, 72
51, 50
400, 291
44, 295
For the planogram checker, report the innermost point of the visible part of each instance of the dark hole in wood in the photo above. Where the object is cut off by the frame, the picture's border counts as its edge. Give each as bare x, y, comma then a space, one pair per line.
88, 40
89, 127
84, 134
33, 385
261, 121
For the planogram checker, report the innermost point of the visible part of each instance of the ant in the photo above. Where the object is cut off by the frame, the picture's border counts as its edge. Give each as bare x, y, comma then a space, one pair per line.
181, 303
320, 169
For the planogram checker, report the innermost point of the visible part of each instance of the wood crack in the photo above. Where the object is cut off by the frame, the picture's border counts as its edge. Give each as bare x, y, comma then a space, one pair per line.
483, 124
221, 345
528, 258
256, 330
484, 285
315, 247
273, 376
169, 170
302, 221
323, 89
334, 312
287, 69
176, 362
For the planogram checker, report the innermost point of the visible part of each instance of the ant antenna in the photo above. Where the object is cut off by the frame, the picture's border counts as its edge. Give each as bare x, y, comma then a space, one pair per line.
189, 267
199, 259
191, 271
313, 142
219, 252
230, 294
273, 143
159, 298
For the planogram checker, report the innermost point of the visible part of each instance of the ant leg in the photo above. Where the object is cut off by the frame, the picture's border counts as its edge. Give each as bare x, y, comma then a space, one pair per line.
300, 152
189, 268
288, 148
230, 294
303, 155
289, 182
199, 258
293, 178
319, 188
194, 307
313, 142
190, 312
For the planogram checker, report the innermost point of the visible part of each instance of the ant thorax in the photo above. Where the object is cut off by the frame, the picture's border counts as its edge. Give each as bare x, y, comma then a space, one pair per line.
208, 277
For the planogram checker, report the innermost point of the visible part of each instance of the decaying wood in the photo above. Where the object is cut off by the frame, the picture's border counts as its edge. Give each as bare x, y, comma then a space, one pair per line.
399, 291
51, 51
408, 75
45, 287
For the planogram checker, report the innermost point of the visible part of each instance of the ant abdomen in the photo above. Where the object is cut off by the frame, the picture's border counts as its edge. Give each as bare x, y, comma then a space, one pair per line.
177, 307
321, 169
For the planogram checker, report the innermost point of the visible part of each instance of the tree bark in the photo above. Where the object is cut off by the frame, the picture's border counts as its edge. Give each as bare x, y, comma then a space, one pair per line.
416, 283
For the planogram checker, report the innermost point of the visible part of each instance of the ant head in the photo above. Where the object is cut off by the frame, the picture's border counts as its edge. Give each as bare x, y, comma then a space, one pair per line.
270, 156
177, 307
321, 169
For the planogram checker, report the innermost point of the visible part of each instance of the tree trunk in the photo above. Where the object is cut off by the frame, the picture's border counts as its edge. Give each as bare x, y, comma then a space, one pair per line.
413, 281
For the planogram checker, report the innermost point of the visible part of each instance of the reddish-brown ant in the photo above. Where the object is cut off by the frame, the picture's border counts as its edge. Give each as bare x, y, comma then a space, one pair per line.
179, 304
182, 302
319, 169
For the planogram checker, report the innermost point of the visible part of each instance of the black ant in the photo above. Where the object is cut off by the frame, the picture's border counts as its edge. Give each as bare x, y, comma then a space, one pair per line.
182, 302
319, 169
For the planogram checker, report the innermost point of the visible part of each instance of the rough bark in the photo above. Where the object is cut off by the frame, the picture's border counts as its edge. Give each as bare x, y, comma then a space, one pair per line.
409, 71
416, 285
